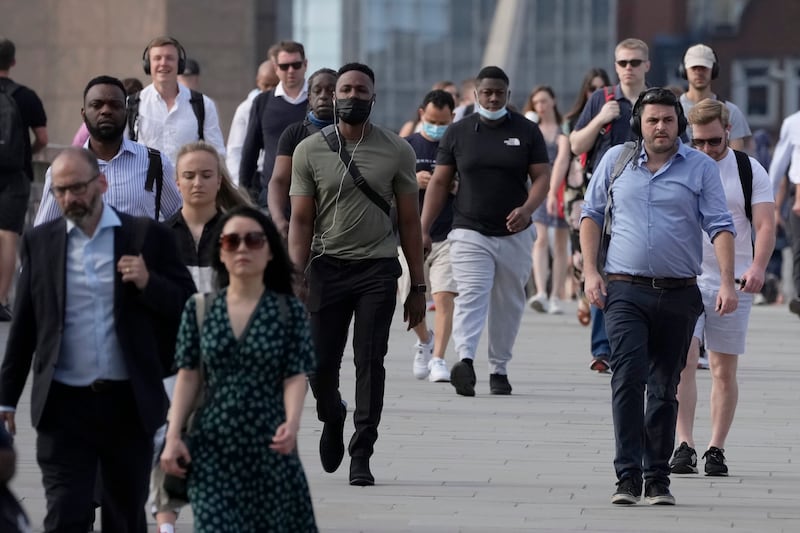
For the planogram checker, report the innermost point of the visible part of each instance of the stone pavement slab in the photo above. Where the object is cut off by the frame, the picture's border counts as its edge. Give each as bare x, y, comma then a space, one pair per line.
540, 459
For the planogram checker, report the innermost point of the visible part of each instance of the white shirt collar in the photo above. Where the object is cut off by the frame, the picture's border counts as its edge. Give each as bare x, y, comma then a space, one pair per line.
303, 96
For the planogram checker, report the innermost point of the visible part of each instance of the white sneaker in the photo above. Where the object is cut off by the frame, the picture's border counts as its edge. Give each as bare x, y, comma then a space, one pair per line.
439, 372
422, 356
702, 363
538, 302
554, 308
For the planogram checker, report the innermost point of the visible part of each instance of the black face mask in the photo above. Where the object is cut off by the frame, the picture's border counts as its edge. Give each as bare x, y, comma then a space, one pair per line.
353, 110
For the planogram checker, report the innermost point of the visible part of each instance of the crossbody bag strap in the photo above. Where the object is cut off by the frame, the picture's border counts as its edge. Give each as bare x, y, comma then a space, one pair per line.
329, 133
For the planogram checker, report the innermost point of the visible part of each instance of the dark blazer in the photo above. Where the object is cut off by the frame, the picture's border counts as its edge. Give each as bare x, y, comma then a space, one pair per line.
146, 321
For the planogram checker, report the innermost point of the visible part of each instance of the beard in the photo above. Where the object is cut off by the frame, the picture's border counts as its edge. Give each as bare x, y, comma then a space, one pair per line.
78, 212
106, 132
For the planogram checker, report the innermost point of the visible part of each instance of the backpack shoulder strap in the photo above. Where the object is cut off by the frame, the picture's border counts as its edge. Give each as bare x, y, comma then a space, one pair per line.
625, 156
199, 108
132, 108
203, 301
155, 175
746, 178
608, 92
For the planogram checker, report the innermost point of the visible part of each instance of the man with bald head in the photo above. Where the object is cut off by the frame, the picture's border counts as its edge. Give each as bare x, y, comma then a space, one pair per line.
266, 80
99, 299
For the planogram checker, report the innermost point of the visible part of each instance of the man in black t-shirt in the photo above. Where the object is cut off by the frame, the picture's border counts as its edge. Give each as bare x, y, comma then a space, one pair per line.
15, 182
435, 115
495, 152
321, 86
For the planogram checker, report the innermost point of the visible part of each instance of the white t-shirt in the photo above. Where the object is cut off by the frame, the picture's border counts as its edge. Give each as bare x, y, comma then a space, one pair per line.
762, 192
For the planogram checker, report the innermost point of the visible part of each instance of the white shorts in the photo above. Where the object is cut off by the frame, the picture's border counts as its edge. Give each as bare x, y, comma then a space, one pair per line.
723, 334
438, 273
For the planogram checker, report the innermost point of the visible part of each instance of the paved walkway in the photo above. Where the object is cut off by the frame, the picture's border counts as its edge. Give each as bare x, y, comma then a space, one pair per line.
540, 460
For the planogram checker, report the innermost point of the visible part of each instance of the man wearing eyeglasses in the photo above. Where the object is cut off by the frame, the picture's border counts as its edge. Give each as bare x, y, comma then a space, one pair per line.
99, 300
602, 124
661, 203
724, 336
271, 113
699, 68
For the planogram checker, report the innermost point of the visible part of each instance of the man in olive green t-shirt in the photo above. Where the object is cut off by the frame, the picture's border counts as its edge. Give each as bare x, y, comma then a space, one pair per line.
344, 243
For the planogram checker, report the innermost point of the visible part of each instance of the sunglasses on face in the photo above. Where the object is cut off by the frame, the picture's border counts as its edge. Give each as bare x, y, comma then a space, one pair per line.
714, 142
297, 65
254, 240
76, 189
633, 62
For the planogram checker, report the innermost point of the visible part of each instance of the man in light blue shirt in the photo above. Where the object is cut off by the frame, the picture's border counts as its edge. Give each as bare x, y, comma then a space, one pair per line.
661, 201
99, 299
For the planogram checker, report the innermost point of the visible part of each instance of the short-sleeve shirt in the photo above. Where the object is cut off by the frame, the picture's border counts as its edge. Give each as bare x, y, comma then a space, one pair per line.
293, 135
348, 225
33, 116
426, 160
620, 127
743, 246
739, 126
492, 161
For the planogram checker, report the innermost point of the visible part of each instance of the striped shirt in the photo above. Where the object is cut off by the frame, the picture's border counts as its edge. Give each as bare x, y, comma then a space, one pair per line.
126, 174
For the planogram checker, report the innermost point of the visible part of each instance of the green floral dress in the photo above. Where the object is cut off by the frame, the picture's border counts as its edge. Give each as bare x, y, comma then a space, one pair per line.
236, 482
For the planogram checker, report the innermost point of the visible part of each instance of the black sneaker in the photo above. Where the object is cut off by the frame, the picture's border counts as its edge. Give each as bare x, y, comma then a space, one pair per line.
498, 384
657, 493
715, 462
794, 306
331, 443
462, 377
628, 492
5, 313
684, 460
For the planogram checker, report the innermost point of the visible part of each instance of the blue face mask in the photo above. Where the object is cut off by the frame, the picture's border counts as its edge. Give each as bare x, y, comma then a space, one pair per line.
491, 115
433, 131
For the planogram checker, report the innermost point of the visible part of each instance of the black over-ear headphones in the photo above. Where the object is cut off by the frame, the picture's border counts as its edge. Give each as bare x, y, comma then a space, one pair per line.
166, 41
661, 96
714, 68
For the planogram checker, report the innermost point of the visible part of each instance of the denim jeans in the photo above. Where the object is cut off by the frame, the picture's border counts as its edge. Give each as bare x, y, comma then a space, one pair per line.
649, 331
600, 346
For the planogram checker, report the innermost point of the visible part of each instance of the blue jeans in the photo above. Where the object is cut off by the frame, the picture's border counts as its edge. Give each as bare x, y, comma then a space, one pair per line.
600, 347
649, 331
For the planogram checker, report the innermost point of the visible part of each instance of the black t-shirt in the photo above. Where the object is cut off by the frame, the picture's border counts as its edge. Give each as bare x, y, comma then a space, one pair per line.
426, 160
492, 162
292, 136
33, 116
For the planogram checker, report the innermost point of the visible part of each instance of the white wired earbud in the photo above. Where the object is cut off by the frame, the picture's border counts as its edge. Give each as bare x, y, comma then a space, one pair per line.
341, 183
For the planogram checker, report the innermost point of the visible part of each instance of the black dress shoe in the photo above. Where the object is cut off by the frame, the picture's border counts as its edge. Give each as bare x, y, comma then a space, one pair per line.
498, 384
360, 476
331, 443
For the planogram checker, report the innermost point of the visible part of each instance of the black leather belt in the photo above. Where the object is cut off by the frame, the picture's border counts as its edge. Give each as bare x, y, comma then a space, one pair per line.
106, 385
655, 283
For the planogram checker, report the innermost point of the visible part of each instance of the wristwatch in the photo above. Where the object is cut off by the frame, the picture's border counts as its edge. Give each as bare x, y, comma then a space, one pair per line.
419, 288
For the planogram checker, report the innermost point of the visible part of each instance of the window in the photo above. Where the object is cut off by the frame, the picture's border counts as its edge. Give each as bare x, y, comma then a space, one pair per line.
755, 91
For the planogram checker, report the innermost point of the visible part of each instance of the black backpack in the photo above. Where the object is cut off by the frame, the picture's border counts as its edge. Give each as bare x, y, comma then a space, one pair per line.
12, 129
198, 106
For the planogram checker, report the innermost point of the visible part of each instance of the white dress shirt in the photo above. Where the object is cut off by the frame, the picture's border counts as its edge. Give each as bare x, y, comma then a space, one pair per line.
237, 134
303, 96
169, 129
126, 174
786, 151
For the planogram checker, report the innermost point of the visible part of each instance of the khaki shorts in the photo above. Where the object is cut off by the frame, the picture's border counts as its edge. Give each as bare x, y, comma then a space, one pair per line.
727, 333
438, 274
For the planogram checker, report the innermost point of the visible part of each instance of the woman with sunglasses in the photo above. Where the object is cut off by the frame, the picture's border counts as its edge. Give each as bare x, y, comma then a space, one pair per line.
255, 350
207, 191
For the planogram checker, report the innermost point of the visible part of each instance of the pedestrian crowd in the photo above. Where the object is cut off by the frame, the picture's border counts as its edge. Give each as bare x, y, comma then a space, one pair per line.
177, 296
